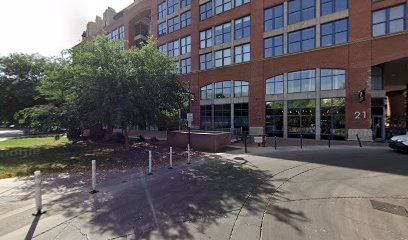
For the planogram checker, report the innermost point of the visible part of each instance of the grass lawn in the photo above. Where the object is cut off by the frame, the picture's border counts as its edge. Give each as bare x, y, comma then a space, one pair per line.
23, 156
33, 142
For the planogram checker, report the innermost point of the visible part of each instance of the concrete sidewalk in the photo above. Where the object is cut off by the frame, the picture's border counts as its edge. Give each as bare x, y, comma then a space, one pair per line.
311, 194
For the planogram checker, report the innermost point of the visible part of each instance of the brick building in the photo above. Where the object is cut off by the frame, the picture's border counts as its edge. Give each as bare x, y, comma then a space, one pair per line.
315, 68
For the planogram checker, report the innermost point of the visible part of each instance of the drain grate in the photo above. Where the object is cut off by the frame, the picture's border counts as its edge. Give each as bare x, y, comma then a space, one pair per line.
389, 208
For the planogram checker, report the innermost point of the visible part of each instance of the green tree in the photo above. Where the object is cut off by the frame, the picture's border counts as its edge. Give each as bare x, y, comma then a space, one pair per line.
20, 75
98, 83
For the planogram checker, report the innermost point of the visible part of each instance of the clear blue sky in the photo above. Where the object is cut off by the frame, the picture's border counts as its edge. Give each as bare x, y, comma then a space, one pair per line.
48, 26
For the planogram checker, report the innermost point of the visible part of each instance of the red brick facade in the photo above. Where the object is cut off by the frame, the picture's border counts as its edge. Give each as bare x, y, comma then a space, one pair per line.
357, 56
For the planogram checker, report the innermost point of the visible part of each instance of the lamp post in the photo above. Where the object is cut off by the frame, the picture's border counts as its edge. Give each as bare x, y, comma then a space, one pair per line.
189, 110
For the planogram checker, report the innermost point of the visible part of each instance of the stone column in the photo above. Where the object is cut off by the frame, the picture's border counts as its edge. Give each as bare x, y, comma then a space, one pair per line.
318, 113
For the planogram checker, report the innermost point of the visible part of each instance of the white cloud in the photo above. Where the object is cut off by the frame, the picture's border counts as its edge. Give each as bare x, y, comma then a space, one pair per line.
48, 26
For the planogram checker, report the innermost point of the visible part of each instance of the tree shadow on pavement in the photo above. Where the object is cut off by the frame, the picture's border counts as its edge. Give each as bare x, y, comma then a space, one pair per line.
203, 200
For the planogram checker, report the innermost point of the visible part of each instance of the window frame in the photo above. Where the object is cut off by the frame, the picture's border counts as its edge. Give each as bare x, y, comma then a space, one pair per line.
175, 24
245, 51
273, 18
208, 64
187, 21
224, 33
301, 40
274, 81
208, 10
223, 57
208, 38
245, 25
334, 32
274, 47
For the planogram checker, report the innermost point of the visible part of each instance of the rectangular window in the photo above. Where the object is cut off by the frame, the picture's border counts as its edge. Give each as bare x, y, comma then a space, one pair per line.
273, 46
242, 53
302, 40
185, 3
222, 33
207, 92
185, 19
241, 2
185, 45
222, 116
241, 116
117, 35
206, 117
206, 10
377, 79
302, 81
223, 57
223, 89
162, 10
274, 85
206, 38
173, 24
206, 61
222, 6
163, 48
172, 6
242, 27
301, 10
173, 48
162, 29
302, 118
274, 118
185, 65
333, 118
331, 6
241, 89
334, 33
332, 79
273, 18
389, 20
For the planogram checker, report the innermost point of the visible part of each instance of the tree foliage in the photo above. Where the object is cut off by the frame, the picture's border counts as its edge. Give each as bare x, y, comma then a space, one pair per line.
20, 75
97, 82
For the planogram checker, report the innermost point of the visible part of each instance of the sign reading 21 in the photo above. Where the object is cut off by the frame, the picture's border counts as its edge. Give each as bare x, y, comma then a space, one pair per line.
360, 115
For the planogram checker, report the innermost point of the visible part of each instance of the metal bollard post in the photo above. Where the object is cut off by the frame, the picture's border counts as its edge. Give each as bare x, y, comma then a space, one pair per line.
93, 191
329, 141
275, 142
150, 163
359, 141
171, 158
38, 197
245, 141
301, 141
189, 155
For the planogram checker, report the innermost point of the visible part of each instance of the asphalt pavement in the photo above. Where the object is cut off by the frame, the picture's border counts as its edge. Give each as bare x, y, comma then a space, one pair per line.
315, 193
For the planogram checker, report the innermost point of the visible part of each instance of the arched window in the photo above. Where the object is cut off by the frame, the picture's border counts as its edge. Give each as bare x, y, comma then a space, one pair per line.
207, 92
332, 79
274, 85
241, 89
223, 89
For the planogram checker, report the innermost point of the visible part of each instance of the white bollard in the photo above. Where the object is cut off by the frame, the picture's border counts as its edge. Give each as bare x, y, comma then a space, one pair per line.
93, 177
189, 155
38, 197
171, 158
150, 163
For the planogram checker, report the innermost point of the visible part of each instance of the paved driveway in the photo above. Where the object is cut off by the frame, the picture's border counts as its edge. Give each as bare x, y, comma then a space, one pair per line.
309, 194
8, 134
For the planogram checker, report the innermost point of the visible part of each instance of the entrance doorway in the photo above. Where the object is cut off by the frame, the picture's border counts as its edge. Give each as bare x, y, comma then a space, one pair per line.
378, 128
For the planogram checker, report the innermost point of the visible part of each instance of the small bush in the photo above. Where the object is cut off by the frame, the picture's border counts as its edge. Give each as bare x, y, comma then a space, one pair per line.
154, 139
141, 138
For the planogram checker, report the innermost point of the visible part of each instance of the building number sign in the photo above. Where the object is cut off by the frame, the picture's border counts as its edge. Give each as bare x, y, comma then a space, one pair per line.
360, 115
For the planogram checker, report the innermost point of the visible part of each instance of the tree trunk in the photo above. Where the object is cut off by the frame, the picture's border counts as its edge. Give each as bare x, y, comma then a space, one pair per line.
126, 136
